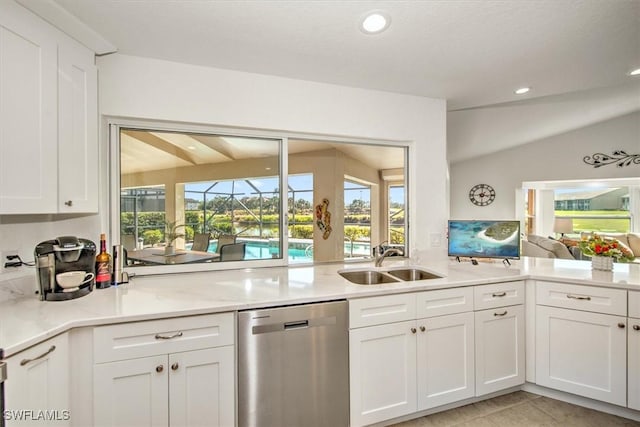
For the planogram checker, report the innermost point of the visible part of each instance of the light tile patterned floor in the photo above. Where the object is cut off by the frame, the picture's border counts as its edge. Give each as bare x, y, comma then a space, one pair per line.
520, 409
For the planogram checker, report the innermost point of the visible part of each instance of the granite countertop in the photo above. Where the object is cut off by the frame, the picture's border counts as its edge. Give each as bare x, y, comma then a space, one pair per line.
25, 320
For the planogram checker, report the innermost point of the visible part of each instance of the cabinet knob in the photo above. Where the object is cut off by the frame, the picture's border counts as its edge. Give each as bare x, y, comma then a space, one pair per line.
621, 325
69, 203
159, 368
636, 327
422, 328
414, 330
175, 366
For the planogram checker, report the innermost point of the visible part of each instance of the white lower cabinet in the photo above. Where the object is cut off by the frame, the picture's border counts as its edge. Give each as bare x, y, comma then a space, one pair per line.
382, 369
131, 392
172, 372
445, 359
500, 355
633, 352
582, 353
401, 367
201, 387
37, 386
197, 386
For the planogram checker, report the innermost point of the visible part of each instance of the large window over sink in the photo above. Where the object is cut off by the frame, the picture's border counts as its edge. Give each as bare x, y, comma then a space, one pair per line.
197, 200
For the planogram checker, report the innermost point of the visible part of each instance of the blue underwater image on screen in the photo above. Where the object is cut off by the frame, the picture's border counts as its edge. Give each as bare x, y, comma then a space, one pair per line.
484, 239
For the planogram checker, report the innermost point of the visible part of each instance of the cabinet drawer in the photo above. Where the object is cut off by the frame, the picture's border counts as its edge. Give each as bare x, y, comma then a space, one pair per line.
498, 295
141, 339
380, 310
634, 304
579, 297
444, 301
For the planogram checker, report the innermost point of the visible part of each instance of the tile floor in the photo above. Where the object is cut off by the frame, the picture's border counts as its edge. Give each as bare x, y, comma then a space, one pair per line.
520, 409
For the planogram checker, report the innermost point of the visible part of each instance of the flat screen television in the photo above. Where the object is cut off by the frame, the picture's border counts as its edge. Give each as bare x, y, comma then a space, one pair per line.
484, 239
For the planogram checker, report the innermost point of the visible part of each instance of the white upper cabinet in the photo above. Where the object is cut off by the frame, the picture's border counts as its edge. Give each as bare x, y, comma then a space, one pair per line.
28, 118
77, 129
48, 118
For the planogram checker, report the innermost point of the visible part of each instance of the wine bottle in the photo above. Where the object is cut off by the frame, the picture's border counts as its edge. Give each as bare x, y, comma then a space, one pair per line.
103, 265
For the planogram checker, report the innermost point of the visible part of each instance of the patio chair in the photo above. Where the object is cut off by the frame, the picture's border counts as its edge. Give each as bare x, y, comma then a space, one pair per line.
201, 242
233, 252
225, 239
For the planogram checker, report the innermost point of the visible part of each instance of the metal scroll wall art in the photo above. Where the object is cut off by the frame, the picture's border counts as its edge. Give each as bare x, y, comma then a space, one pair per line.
619, 158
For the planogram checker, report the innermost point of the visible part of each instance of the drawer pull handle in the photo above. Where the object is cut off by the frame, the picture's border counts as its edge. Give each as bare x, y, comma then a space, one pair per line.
159, 368
636, 327
422, 328
504, 313
168, 337
414, 330
25, 361
175, 366
500, 294
621, 325
578, 297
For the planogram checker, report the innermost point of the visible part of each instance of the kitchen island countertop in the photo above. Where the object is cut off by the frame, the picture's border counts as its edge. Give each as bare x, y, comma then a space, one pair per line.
26, 321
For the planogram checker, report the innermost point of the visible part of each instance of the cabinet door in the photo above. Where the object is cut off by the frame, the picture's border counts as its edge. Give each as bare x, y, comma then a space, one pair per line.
582, 353
445, 359
633, 343
28, 128
131, 392
382, 372
500, 341
38, 380
77, 129
201, 384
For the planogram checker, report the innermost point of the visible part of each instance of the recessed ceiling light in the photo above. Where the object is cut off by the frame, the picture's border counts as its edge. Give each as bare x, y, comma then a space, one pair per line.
191, 147
635, 72
522, 90
375, 22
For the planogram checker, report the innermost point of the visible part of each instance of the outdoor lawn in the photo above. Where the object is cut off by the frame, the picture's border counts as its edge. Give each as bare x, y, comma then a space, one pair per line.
589, 221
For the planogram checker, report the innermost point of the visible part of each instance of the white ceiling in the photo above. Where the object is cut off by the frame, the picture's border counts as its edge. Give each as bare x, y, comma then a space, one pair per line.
573, 53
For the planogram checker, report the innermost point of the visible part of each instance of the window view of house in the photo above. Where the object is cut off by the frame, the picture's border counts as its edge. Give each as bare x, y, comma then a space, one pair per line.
200, 198
193, 198
601, 210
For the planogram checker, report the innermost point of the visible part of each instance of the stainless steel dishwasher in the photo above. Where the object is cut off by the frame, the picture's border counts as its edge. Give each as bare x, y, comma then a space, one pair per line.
293, 366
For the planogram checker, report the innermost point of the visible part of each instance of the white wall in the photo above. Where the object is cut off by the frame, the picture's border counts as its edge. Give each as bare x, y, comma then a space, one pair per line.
135, 87
554, 158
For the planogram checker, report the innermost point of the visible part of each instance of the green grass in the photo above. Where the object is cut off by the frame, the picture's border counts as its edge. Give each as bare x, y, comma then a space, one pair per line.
609, 225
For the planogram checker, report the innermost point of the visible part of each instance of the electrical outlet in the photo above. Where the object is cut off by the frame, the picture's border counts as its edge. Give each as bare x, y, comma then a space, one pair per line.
4, 258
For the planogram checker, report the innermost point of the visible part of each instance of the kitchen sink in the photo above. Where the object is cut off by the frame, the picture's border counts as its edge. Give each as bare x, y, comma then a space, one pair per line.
410, 274
367, 277
375, 277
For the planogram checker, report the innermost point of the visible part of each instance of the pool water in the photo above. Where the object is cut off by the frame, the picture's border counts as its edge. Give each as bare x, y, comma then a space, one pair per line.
297, 251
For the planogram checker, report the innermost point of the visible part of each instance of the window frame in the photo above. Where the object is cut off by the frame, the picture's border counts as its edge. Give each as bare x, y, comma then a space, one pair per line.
111, 221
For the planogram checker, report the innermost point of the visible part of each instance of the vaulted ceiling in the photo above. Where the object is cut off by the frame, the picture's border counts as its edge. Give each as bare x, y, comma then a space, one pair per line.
473, 53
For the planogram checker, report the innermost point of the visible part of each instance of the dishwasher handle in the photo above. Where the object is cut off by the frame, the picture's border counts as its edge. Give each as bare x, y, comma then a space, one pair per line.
293, 325
296, 325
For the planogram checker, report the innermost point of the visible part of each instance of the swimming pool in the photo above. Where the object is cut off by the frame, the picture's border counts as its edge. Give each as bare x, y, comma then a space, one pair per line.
299, 251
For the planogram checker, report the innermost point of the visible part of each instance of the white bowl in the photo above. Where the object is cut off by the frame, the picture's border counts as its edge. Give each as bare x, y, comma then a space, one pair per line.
73, 279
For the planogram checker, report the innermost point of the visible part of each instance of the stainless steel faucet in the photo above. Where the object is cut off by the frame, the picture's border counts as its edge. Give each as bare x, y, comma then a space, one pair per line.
383, 255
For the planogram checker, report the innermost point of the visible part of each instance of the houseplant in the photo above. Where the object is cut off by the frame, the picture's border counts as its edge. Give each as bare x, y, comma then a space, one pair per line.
171, 233
604, 251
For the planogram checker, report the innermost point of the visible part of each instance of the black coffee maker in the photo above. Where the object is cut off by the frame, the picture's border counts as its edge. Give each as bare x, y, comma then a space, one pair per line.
65, 268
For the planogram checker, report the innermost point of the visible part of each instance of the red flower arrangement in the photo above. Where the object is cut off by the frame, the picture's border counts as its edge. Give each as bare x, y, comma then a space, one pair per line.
600, 246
